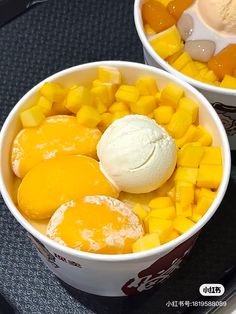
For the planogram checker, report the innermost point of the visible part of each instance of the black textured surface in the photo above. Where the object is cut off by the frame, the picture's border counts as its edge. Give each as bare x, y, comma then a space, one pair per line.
47, 38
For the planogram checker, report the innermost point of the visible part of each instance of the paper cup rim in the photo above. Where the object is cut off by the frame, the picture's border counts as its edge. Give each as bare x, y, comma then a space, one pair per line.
130, 256
165, 65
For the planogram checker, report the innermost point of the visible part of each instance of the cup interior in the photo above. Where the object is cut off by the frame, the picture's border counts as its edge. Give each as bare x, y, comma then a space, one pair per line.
84, 74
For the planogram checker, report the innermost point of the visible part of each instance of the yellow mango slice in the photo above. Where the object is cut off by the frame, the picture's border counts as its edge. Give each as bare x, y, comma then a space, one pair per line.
147, 242
179, 124
32, 117
171, 94
145, 105
53, 91
88, 116
78, 97
190, 106
140, 211
160, 202
163, 114
163, 213
58, 180
57, 135
161, 226
209, 176
182, 224
109, 74
190, 156
212, 156
186, 174
147, 86
127, 93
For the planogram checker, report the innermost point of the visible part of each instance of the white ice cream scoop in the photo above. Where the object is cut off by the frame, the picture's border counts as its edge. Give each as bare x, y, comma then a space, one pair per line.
136, 154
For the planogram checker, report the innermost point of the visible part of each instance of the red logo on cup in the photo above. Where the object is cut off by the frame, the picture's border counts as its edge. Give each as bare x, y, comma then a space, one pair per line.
159, 270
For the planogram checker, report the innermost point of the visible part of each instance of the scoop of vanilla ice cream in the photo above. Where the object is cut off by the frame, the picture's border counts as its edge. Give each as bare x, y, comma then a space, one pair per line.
219, 14
136, 154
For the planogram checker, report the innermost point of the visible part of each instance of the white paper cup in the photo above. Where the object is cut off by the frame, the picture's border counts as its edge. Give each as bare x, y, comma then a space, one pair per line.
222, 99
111, 275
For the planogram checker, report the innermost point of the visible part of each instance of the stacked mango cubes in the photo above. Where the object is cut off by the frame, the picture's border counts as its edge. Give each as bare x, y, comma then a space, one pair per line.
166, 40
188, 194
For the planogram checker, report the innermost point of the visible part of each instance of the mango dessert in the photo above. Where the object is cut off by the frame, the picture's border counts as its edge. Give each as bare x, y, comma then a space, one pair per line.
196, 37
114, 168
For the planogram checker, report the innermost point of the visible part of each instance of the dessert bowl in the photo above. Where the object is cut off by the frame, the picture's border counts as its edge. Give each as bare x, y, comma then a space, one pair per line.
103, 274
222, 99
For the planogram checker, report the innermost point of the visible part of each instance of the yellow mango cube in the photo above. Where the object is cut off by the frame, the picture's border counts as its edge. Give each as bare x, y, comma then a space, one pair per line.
209, 176
171, 194
183, 211
171, 94
109, 74
186, 174
171, 59
160, 202
59, 108
212, 156
88, 116
101, 93
147, 242
181, 61
167, 42
78, 97
166, 187
120, 114
45, 104
173, 235
163, 213
210, 76
111, 89
179, 124
195, 217
207, 193
191, 135
228, 82
205, 139
203, 205
101, 108
164, 2
140, 211
190, 106
163, 114
190, 156
118, 106
106, 120
190, 69
161, 226
145, 105
147, 86
182, 224
184, 193
32, 117
127, 93
53, 91
148, 30
200, 65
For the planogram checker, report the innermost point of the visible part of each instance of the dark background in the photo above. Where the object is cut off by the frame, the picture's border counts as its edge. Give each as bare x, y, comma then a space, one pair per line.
48, 38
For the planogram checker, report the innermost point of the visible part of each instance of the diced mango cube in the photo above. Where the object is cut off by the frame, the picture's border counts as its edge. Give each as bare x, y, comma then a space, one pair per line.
174, 57
106, 120
167, 42
100, 106
78, 97
101, 93
190, 69
120, 114
190, 156
53, 91
190, 106
147, 86
228, 82
32, 117
209, 176
186, 174
195, 217
45, 104
163, 114
162, 226
88, 116
108, 74
147, 242
205, 139
145, 105
160, 202
173, 235
166, 187
148, 30
171, 94
200, 65
210, 76
184, 193
207, 193
127, 93
179, 124
118, 106
163, 213
191, 135
140, 211
171, 194
182, 224
212, 156
181, 61
183, 211
203, 205
164, 2
59, 108
111, 89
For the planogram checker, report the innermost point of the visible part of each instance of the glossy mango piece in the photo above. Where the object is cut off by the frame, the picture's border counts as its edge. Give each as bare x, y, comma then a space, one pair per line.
57, 135
58, 180
177, 7
157, 16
